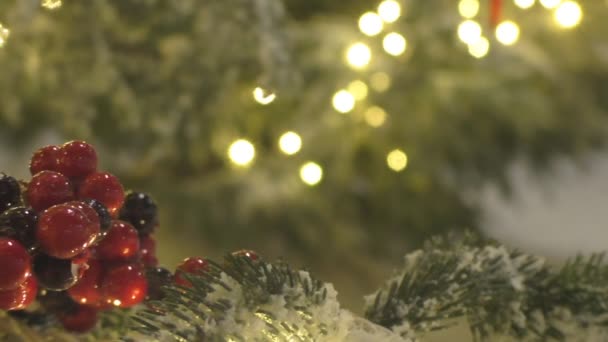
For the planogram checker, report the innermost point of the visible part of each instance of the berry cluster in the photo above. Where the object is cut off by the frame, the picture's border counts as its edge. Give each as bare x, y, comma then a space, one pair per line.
72, 240
71, 237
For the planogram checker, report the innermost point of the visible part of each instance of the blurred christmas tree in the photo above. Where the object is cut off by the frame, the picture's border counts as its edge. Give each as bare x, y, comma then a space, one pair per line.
395, 114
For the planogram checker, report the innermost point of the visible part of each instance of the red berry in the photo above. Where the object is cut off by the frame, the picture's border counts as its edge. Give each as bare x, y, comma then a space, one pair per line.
147, 251
124, 286
77, 159
192, 265
247, 253
79, 320
15, 264
48, 188
87, 290
121, 242
64, 231
45, 159
20, 297
105, 188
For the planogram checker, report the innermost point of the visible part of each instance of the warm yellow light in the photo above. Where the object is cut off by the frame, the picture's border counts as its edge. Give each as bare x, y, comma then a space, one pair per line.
524, 4
116, 302
507, 32
343, 101
311, 173
568, 14
394, 44
4, 33
480, 48
396, 160
375, 116
2, 41
358, 55
389, 10
290, 143
380, 81
370, 24
358, 89
469, 31
262, 96
51, 4
468, 8
241, 152
550, 4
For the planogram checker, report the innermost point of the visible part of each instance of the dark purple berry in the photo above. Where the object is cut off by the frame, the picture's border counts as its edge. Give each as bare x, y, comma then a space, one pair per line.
23, 221
157, 278
140, 210
10, 192
55, 301
105, 219
55, 274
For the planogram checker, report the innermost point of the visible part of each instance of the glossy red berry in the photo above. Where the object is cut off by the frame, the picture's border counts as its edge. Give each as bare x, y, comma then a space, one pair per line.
121, 242
191, 265
45, 159
64, 231
246, 253
102, 212
20, 297
124, 286
105, 188
147, 251
15, 264
77, 159
48, 188
87, 290
79, 320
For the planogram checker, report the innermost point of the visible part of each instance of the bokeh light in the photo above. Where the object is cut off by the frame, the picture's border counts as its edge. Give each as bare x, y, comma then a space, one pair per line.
394, 44
524, 4
389, 10
396, 160
568, 14
468, 8
311, 173
469, 31
262, 96
343, 101
375, 116
380, 81
358, 55
51, 4
507, 32
358, 89
480, 48
370, 24
241, 152
290, 143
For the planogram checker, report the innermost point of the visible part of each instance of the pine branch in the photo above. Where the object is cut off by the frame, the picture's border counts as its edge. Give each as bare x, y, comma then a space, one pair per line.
498, 290
245, 300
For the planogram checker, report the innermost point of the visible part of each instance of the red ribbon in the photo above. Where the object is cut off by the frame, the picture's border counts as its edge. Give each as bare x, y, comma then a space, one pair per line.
495, 12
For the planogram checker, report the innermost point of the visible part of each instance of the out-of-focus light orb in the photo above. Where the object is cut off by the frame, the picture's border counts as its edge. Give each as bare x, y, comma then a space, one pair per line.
468, 8
568, 14
343, 101
396, 160
51, 4
358, 89
507, 32
394, 44
241, 152
370, 24
290, 143
550, 4
389, 10
311, 173
524, 4
480, 48
262, 96
358, 55
375, 116
2, 41
380, 81
4, 33
469, 31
